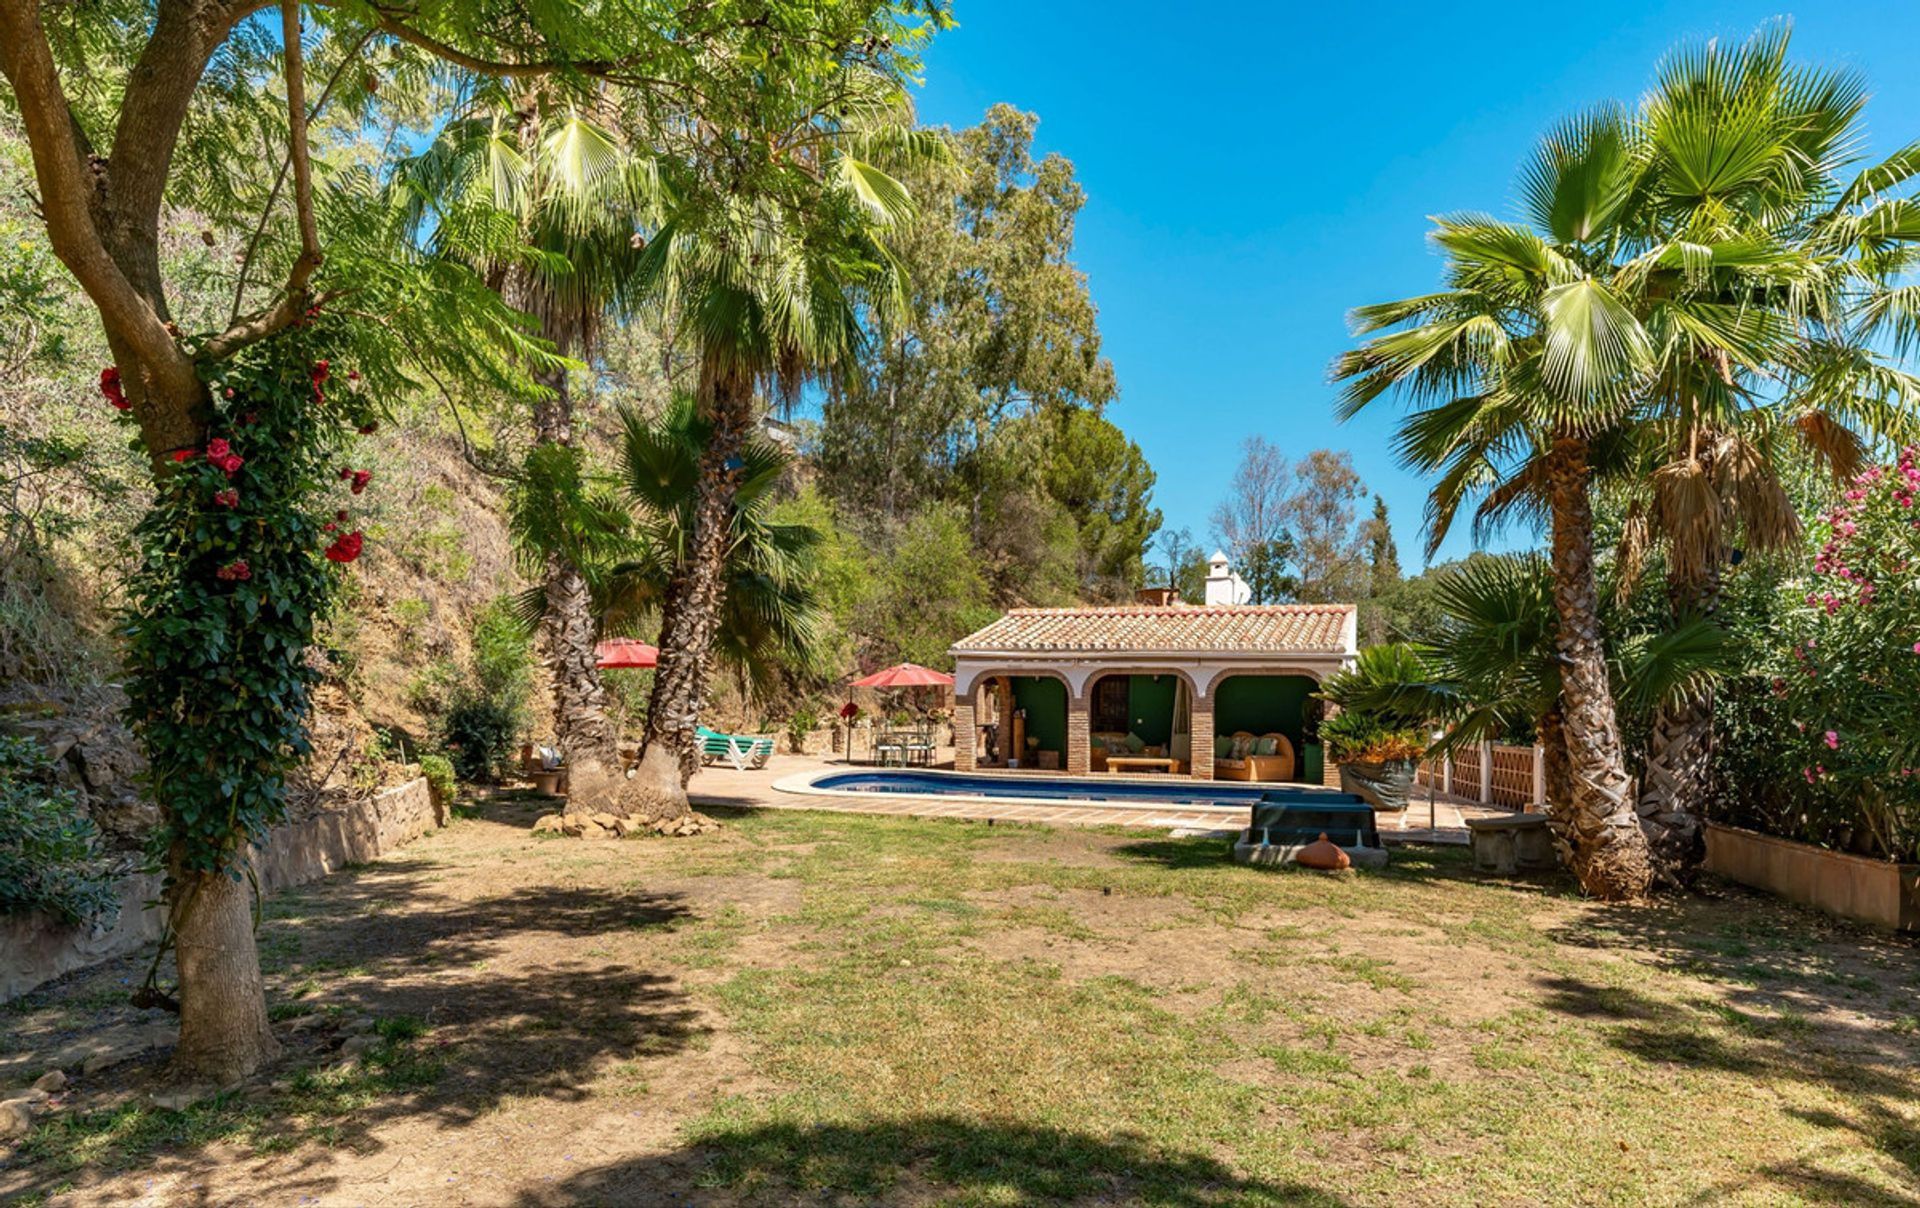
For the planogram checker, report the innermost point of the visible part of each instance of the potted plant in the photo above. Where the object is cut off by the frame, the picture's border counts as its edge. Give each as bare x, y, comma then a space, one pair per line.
1376, 733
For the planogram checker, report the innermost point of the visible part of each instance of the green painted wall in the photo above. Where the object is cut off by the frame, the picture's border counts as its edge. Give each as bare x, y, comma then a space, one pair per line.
1150, 707
1045, 701
1261, 704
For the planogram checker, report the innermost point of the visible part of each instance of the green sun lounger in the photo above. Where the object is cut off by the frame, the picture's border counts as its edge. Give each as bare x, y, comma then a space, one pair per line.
743, 751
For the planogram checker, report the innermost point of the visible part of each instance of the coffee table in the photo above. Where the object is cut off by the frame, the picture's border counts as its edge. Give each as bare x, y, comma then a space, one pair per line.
1141, 763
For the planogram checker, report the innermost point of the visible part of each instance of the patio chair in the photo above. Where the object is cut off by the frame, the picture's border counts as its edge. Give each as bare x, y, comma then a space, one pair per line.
743, 751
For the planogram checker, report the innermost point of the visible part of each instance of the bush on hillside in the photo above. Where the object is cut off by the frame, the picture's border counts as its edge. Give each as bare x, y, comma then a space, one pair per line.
49, 851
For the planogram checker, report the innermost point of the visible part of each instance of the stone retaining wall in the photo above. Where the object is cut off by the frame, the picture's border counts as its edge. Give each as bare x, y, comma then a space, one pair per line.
35, 949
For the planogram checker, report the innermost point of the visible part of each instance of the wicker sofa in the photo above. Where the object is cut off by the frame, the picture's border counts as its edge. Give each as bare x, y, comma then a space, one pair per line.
1277, 766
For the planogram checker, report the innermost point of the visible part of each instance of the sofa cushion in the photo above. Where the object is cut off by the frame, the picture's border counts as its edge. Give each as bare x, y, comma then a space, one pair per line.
1266, 746
1242, 745
1136, 744
1222, 746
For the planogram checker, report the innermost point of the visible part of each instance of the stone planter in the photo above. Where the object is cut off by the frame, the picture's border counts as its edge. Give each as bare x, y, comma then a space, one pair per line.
1855, 887
1384, 786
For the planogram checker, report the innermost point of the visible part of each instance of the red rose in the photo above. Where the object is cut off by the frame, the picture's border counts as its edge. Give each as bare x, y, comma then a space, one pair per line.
111, 388
231, 463
218, 448
360, 480
235, 571
183, 454
227, 498
353, 375
250, 418
341, 515
320, 372
329, 527
229, 391
345, 548
345, 473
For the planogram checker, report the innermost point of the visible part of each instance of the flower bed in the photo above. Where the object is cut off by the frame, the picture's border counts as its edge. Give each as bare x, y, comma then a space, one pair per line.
1872, 891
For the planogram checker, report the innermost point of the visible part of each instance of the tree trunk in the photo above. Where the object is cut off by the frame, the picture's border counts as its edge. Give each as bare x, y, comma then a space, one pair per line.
1557, 772
595, 778
596, 782
695, 593
1609, 851
1680, 747
224, 1035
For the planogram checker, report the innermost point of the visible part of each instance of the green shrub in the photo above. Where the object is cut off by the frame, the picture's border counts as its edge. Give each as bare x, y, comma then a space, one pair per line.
432, 689
438, 770
49, 850
479, 734
801, 724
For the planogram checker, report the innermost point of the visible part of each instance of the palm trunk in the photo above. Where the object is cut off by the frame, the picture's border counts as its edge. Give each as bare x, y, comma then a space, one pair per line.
1609, 851
1680, 747
695, 593
595, 779
594, 776
224, 1035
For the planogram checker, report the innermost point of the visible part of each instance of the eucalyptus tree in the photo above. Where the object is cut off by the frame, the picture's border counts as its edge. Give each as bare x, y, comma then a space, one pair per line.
1527, 355
122, 126
1758, 274
769, 255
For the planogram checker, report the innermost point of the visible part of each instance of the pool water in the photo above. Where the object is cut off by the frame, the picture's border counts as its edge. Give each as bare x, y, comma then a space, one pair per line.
1176, 791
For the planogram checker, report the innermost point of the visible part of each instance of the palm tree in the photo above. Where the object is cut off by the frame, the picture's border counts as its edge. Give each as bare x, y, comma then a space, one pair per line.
549, 204
1515, 369
1495, 651
629, 537
769, 277
771, 615
1757, 265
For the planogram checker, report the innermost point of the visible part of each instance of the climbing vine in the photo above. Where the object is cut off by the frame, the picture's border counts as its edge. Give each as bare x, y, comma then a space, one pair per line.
238, 558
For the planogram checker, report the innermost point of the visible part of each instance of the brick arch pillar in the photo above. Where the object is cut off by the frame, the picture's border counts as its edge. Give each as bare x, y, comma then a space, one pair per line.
1200, 722
1079, 734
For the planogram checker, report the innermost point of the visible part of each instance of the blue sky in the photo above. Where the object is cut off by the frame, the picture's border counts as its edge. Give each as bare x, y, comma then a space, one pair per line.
1254, 171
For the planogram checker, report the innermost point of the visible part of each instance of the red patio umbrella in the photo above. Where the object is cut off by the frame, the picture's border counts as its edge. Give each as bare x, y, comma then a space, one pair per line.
905, 675
625, 652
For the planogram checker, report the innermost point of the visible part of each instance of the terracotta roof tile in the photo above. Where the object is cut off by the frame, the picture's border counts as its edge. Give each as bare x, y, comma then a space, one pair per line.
1282, 628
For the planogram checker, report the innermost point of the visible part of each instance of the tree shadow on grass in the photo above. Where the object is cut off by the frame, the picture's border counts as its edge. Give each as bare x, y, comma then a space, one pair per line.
1867, 1068
921, 1160
469, 1012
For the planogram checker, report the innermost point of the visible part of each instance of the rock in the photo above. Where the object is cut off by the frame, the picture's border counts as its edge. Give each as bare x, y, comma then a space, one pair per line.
52, 1082
114, 1045
358, 1046
180, 1098
302, 1023
550, 824
16, 1119
605, 820
355, 1027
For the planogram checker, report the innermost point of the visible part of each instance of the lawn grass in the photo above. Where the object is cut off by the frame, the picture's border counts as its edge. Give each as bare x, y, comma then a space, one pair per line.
858, 1010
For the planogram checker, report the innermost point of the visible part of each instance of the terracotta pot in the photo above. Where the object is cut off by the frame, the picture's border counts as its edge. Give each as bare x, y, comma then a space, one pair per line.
1323, 854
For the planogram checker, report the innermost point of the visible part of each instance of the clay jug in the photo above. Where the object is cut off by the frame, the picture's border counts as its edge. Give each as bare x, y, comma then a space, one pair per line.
1321, 853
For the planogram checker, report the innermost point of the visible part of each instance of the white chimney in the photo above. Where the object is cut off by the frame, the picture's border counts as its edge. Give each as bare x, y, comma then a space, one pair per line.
1223, 586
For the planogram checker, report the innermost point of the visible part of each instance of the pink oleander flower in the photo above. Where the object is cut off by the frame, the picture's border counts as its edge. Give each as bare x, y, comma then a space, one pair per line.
1832, 740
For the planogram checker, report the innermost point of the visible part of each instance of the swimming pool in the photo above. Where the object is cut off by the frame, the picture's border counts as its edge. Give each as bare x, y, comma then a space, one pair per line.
1169, 791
